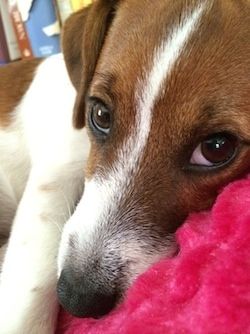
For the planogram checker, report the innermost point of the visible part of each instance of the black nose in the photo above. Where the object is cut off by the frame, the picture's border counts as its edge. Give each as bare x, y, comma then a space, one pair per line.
84, 297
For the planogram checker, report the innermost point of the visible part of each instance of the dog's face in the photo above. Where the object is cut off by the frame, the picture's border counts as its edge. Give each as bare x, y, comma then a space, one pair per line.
167, 107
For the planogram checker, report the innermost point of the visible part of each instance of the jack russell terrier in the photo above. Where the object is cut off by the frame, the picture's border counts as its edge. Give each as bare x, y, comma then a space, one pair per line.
159, 94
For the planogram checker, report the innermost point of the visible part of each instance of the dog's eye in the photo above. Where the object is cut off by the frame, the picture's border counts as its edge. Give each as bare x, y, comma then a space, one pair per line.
100, 118
215, 150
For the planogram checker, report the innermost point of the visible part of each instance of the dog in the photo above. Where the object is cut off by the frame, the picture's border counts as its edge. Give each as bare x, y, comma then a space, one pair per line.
106, 149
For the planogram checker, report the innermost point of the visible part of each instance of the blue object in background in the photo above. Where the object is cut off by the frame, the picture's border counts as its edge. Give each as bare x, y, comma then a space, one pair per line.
42, 14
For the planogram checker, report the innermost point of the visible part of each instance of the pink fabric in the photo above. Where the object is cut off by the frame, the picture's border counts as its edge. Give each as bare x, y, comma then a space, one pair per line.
204, 289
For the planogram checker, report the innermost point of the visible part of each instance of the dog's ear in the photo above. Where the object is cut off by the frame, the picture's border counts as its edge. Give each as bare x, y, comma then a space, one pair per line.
83, 37
72, 43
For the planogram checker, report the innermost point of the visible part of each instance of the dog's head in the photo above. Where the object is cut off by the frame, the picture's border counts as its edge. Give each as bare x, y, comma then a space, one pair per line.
164, 91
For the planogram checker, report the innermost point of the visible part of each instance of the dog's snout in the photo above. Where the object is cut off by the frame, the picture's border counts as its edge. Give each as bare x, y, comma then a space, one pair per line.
82, 297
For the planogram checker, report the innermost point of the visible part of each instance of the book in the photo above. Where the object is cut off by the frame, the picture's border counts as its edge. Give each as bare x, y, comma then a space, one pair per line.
4, 54
42, 26
10, 36
36, 26
64, 9
20, 30
78, 4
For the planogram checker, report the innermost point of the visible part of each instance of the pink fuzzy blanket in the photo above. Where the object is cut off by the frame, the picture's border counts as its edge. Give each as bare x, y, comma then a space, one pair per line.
204, 289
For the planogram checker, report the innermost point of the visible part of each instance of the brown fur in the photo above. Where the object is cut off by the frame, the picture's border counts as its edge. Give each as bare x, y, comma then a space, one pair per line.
208, 92
14, 82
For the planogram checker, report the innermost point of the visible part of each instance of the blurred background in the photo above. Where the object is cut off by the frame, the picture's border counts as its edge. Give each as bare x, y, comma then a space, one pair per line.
31, 28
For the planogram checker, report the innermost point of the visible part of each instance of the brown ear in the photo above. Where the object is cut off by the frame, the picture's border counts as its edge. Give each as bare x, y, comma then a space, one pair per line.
72, 40
82, 41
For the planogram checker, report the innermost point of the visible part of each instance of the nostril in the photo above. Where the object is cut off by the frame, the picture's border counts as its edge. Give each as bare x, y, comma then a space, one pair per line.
84, 299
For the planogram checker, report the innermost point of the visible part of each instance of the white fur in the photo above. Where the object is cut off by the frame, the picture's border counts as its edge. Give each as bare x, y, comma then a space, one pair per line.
12, 144
103, 193
52, 154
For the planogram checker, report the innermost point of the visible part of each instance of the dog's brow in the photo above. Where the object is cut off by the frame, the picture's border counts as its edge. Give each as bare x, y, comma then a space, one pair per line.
107, 79
102, 87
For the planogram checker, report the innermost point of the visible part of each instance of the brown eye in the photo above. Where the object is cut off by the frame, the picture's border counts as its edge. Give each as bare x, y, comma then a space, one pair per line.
215, 150
100, 118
